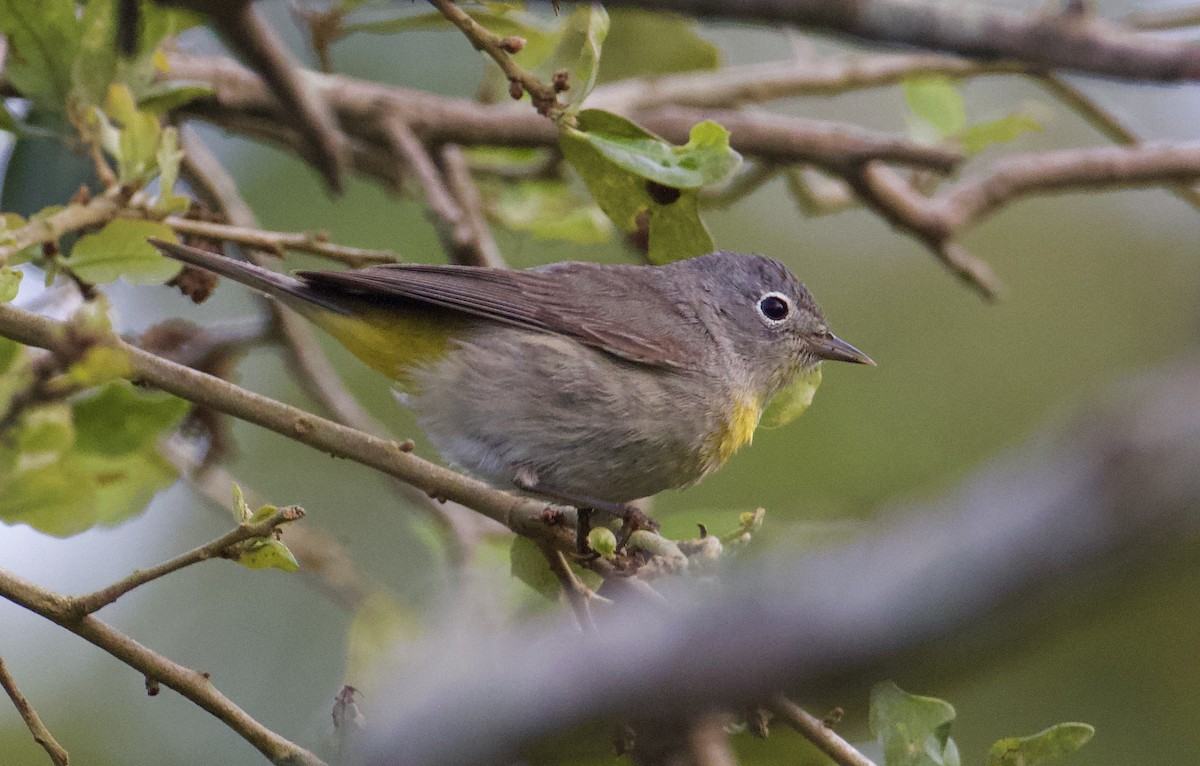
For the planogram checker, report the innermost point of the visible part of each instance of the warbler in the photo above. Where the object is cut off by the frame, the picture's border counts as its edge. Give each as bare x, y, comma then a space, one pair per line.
584, 383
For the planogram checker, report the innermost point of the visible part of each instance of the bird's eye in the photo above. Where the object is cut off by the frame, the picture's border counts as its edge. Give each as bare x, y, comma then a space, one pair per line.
774, 307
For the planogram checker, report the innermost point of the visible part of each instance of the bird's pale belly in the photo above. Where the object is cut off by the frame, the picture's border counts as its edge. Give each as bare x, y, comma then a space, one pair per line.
511, 405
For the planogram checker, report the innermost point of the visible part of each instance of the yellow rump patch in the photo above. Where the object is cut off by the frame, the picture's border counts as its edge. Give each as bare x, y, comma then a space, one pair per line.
393, 340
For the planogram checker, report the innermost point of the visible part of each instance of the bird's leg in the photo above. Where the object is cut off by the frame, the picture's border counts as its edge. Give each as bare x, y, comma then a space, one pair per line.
632, 518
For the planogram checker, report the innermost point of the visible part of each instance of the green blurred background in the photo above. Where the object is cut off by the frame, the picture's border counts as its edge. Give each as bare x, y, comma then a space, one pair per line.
1099, 286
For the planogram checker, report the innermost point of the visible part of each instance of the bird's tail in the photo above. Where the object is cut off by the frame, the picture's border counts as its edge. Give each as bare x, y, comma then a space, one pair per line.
288, 289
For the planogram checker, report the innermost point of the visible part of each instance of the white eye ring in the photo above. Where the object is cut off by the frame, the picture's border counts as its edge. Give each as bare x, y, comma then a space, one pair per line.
774, 308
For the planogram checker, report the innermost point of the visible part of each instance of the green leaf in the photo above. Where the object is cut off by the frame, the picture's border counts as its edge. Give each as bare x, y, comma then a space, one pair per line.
8, 122
935, 100
45, 430
95, 64
267, 553
43, 38
549, 210
705, 159
15, 373
530, 567
120, 418
9, 223
499, 21
1040, 748
126, 484
577, 53
138, 136
10, 283
914, 730
648, 43
120, 250
100, 364
168, 159
791, 402
625, 166
162, 97
240, 509
1009, 128
56, 498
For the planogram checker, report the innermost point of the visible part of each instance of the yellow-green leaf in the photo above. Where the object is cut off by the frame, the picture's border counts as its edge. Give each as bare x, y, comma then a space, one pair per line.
913, 730
530, 567
267, 553
791, 402
935, 100
1041, 748
644, 43
1009, 128
10, 283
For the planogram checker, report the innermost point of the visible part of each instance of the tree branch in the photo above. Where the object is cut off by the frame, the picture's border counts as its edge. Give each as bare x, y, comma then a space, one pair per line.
41, 735
1068, 40
736, 86
276, 242
241, 100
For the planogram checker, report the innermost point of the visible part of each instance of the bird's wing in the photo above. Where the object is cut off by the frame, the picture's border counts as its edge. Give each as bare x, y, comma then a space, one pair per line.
619, 309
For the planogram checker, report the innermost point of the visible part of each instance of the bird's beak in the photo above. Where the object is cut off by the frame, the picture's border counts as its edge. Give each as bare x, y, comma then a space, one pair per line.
833, 348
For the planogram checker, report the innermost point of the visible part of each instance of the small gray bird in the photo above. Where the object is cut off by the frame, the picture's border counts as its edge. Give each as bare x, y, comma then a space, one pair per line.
579, 382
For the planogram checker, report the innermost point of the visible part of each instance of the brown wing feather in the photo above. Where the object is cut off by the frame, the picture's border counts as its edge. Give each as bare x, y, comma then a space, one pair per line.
620, 309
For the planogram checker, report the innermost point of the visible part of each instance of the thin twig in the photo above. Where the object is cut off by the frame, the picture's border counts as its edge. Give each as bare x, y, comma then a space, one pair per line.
324, 561
192, 684
815, 731
482, 250
251, 36
41, 735
73, 217
218, 548
544, 97
760, 83
276, 242
577, 594
1108, 124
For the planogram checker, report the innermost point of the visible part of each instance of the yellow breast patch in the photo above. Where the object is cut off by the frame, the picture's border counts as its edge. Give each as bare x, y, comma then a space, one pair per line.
738, 431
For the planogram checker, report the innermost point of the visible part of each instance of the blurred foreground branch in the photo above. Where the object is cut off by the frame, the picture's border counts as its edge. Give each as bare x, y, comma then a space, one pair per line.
1122, 480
